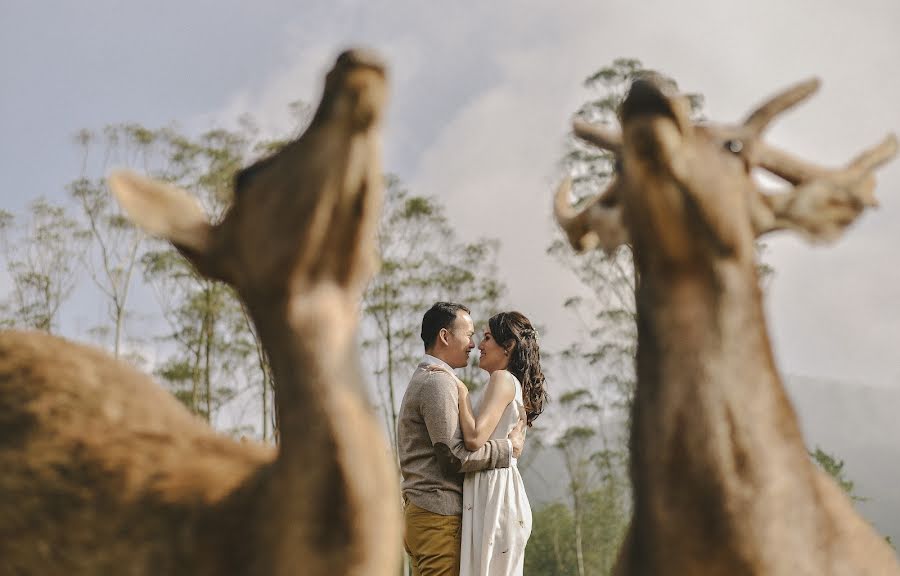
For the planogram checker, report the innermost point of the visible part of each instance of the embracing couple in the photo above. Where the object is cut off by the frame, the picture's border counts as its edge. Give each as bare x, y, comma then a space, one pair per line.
465, 505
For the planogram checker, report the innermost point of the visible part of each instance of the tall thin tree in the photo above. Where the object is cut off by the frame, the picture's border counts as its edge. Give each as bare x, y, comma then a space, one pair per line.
40, 252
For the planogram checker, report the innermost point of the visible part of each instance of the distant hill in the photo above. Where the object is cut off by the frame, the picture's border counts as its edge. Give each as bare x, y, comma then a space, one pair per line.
857, 424
861, 426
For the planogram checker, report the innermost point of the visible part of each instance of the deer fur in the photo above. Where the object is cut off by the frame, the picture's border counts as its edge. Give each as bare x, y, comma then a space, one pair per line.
104, 472
723, 483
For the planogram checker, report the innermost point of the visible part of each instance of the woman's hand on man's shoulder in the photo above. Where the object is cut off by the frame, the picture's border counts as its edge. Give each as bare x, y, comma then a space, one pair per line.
436, 369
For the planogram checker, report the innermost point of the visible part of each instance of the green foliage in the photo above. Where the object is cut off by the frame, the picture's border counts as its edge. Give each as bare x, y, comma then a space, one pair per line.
597, 487
552, 547
834, 467
216, 351
41, 256
213, 342
115, 248
550, 551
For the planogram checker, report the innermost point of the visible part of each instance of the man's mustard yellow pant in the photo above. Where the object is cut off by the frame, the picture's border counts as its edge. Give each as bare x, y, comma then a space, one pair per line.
432, 542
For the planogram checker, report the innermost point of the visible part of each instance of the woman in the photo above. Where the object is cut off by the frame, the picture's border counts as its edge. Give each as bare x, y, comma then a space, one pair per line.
496, 520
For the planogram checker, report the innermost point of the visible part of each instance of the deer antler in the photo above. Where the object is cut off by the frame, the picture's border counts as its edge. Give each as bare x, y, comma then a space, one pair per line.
823, 202
760, 118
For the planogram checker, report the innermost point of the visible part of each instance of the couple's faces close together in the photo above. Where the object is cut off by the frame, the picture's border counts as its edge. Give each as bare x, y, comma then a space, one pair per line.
461, 340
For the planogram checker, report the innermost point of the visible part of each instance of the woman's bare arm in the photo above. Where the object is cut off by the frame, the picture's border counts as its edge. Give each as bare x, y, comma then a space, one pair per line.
501, 389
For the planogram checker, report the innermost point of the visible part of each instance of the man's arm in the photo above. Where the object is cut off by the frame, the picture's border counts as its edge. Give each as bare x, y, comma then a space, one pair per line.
440, 411
499, 392
453, 459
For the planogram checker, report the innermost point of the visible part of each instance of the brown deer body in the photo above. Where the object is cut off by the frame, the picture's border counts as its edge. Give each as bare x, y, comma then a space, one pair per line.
103, 472
723, 484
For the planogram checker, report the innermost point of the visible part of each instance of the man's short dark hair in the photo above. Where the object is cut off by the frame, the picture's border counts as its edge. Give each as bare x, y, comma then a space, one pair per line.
441, 315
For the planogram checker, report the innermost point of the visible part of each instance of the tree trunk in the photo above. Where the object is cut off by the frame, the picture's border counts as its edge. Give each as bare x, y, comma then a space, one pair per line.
208, 336
390, 376
579, 553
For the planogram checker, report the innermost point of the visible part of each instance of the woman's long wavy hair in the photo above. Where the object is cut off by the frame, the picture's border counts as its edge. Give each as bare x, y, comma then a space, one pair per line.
513, 328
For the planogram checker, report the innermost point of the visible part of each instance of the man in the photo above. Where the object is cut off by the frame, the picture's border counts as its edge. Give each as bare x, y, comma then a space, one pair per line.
433, 456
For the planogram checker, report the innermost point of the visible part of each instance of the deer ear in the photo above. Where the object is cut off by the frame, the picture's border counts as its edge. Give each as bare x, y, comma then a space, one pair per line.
162, 210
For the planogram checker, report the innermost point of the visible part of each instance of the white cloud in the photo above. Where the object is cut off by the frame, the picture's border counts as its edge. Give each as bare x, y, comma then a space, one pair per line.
495, 163
300, 79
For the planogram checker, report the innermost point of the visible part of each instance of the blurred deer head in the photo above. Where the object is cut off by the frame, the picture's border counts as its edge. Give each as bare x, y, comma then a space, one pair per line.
684, 192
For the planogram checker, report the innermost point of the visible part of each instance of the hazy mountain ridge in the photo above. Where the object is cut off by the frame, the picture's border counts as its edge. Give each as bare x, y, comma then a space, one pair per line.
854, 423
861, 426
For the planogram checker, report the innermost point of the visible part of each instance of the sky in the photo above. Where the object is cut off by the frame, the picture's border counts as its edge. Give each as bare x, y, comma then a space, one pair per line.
482, 97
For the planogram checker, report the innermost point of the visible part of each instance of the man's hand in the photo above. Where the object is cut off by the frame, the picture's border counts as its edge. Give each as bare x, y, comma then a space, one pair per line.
517, 438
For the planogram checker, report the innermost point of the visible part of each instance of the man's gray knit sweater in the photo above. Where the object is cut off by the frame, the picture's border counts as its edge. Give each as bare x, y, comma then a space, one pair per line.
433, 456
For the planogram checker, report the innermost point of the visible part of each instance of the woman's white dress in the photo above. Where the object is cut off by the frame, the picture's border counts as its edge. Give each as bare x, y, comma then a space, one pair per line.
496, 520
